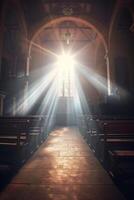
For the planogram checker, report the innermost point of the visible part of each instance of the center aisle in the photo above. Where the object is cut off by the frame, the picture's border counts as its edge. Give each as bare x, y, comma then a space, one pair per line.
64, 168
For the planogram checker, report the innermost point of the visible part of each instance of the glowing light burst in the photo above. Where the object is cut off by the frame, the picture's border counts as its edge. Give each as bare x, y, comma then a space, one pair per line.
66, 75
66, 61
63, 82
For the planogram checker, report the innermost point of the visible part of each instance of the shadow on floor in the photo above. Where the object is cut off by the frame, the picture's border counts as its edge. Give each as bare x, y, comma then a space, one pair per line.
6, 175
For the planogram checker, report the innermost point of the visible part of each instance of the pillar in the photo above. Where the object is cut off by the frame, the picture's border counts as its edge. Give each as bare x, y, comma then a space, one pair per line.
28, 65
25, 99
108, 74
14, 106
1, 104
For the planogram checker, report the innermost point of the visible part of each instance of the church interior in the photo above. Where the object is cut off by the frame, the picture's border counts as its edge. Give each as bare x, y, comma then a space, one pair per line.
66, 99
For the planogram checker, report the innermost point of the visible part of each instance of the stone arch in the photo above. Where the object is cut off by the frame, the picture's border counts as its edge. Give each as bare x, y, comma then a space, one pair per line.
62, 19
74, 19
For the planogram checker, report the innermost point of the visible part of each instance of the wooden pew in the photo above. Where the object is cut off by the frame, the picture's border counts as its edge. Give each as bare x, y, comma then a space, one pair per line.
111, 132
118, 134
19, 137
93, 132
118, 140
112, 139
36, 132
14, 139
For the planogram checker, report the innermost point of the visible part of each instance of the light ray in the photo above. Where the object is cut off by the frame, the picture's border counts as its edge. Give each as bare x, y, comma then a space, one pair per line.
35, 91
97, 80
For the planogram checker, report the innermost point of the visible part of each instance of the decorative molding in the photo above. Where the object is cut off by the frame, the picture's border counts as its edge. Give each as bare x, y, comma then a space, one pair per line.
67, 8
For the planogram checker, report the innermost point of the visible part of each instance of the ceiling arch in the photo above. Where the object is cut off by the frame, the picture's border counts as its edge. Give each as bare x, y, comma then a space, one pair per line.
64, 19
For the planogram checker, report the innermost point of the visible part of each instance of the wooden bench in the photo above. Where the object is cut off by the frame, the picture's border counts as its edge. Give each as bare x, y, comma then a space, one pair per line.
14, 139
119, 133
118, 140
122, 154
111, 139
36, 132
121, 164
87, 124
113, 133
19, 137
93, 131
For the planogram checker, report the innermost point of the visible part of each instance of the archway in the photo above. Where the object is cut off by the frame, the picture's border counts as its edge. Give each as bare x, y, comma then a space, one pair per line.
78, 20
84, 29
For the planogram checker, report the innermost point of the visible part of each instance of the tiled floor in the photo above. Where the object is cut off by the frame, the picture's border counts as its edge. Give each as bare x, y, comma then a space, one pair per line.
63, 168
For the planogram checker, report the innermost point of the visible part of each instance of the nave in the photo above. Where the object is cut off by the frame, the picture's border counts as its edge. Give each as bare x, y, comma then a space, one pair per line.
63, 168
66, 64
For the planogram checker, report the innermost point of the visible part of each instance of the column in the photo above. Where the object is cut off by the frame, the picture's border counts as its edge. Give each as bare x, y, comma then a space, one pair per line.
108, 74
1, 104
25, 99
28, 65
14, 106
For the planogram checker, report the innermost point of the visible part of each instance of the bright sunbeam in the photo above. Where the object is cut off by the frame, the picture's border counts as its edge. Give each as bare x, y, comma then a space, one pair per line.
66, 61
66, 78
35, 91
99, 82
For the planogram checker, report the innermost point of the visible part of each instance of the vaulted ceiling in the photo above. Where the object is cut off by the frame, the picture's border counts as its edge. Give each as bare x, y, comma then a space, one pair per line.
38, 9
